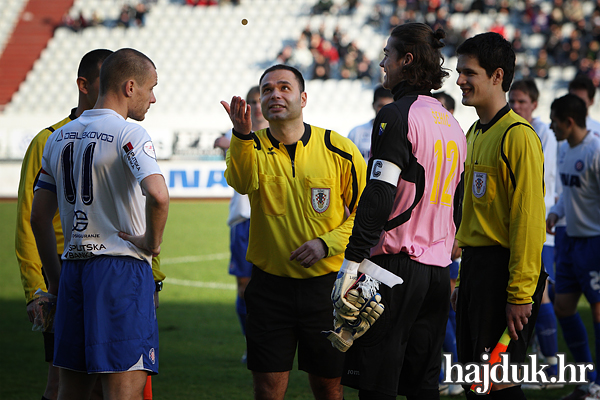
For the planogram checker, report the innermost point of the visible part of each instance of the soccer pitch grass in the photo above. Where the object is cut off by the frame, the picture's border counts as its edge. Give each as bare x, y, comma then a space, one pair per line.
200, 339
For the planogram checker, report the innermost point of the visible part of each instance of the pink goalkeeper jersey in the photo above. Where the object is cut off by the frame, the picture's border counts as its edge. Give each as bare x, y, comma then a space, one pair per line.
425, 141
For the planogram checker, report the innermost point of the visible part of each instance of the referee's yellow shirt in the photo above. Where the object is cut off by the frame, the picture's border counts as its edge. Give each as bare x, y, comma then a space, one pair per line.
504, 198
293, 202
25, 247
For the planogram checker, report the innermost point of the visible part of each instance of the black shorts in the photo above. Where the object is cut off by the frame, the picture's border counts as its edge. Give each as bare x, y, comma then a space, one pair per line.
401, 353
285, 313
481, 305
48, 346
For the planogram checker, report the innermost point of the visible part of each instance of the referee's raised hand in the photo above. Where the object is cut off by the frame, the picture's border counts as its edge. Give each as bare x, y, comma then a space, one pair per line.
240, 115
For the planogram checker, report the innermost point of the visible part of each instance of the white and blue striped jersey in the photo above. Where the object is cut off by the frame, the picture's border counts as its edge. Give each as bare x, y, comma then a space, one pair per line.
579, 202
95, 165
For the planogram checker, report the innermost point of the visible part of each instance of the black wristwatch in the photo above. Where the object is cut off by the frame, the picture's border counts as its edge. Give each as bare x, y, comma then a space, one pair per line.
159, 286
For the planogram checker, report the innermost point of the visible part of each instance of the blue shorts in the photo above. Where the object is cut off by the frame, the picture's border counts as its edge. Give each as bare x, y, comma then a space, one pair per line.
453, 268
548, 261
578, 267
238, 246
105, 317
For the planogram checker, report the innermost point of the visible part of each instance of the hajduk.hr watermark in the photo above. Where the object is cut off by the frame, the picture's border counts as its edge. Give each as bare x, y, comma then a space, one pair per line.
484, 374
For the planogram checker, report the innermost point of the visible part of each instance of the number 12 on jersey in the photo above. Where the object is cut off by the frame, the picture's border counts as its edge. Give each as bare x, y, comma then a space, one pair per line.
449, 155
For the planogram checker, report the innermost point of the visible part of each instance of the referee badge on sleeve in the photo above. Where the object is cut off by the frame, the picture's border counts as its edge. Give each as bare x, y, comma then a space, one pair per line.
479, 184
320, 199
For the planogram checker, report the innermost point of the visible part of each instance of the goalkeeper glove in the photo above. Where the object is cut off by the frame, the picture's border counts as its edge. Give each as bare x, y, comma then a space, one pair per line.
345, 280
344, 332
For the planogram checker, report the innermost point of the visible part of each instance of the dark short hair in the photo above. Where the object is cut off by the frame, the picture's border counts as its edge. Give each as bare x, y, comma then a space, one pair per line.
253, 90
528, 87
381, 92
89, 66
425, 72
570, 106
583, 82
122, 65
493, 52
276, 67
449, 100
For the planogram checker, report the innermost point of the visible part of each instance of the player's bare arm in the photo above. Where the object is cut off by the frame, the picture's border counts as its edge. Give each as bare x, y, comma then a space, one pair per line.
517, 316
309, 253
43, 209
157, 209
551, 222
240, 115
454, 298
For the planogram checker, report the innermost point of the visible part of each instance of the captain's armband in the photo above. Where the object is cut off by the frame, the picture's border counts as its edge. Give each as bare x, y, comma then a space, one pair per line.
385, 171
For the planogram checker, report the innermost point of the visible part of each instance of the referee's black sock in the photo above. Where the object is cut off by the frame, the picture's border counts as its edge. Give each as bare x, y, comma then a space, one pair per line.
373, 395
474, 396
511, 393
425, 394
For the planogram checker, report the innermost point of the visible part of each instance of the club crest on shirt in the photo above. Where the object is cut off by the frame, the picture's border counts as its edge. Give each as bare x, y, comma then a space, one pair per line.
579, 165
149, 149
479, 184
320, 199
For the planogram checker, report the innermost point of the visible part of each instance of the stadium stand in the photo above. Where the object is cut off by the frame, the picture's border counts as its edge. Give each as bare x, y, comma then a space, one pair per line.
11, 9
204, 54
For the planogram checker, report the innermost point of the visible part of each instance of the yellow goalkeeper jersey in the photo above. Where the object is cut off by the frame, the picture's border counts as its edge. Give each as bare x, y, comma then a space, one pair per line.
504, 197
297, 193
25, 248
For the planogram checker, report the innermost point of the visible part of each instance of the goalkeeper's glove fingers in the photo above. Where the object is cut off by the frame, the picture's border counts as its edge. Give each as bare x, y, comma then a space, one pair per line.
372, 310
345, 280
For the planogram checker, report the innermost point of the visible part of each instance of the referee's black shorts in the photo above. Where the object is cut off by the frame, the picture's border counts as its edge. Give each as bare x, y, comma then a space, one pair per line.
402, 352
481, 305
285, 314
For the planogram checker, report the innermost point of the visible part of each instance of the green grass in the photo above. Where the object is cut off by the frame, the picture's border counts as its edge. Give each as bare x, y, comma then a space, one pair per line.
200, 339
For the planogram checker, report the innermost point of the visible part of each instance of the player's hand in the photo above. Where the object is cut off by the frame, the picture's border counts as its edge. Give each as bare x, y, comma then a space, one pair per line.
140, 242
345, 280
309, 253
454, 298
551, 222
456, 251
517, 316
239, 114
33, 309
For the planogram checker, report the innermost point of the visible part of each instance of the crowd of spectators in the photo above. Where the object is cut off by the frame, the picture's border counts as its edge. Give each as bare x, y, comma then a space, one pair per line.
323, 57
544, 33
565, 34
195, 3
131, 15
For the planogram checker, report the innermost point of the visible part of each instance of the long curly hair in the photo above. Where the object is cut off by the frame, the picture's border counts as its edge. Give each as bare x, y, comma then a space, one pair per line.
426, 71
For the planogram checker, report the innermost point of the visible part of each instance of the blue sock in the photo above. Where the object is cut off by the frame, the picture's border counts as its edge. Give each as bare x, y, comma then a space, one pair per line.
576, 338
450, 341
240, 308
597, 340
545, 329
452, 318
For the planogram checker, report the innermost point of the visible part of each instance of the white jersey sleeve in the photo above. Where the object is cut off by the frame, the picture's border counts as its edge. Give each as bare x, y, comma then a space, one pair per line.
138, 152
550, 149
